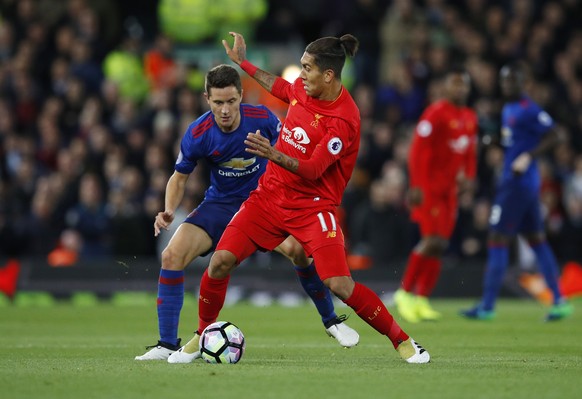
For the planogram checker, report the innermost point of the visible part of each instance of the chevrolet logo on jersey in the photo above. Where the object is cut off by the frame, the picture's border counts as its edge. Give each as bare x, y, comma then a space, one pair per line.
238, 163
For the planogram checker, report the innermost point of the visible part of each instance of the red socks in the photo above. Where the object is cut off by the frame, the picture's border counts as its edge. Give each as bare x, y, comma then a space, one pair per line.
370, 308
412, 271
421, 274
430, 272
211, 299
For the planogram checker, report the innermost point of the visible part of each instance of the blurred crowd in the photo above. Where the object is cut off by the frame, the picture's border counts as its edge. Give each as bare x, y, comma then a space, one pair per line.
93, 107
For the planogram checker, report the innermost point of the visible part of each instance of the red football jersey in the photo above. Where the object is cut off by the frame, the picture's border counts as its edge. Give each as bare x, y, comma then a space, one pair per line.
325, 135
444, 145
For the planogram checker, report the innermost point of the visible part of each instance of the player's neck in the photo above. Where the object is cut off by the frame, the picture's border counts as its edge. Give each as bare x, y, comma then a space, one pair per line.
332, 92
458, 104
514, 98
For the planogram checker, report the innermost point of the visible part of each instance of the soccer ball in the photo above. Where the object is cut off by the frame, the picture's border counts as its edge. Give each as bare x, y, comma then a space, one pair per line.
222, 342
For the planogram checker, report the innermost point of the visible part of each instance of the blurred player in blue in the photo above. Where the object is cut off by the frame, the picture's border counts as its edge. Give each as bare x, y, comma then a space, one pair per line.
527, 132
218, 136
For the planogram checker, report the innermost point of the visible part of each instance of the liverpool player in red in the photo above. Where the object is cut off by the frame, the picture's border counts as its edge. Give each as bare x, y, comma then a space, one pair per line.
301, 189
442, 161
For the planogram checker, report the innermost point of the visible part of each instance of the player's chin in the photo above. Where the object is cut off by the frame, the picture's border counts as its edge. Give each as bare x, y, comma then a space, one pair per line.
226, 127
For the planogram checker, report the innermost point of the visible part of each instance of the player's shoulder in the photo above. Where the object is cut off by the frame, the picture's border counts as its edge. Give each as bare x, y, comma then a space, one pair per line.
525, 105
436, 109
255, 111
346, 111
440, 104
528, 103
201, 125
534, 110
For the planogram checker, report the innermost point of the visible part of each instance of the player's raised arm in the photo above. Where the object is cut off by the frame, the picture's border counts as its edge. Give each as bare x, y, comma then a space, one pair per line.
238, 55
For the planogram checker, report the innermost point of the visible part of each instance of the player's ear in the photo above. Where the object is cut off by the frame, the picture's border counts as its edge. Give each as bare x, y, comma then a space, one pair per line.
206, 97
328, 76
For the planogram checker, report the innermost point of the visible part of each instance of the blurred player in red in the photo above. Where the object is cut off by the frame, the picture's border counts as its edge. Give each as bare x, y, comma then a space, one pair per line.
301, 189
442, 162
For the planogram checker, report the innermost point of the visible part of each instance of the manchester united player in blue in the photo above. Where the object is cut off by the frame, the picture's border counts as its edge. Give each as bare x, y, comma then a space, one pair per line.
218, 136
527, 132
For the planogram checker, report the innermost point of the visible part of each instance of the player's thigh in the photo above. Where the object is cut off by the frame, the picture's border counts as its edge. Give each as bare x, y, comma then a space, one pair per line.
256, 223
314, 229
188, 242
236, 242
437, 218
213, 217
532, 223
330, 261
508, 211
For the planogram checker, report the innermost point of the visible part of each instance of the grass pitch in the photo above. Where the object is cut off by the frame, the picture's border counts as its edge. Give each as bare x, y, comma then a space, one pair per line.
86, 350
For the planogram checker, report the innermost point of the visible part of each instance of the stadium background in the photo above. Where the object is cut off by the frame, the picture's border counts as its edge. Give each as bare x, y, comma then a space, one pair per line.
95, 96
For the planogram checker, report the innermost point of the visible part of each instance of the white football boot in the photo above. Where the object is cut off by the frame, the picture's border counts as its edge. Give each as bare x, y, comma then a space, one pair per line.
344, 334
188, 353
412, 352
160, 351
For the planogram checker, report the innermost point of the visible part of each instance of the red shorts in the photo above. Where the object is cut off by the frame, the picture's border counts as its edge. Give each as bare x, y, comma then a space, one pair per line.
260, 225
437, 215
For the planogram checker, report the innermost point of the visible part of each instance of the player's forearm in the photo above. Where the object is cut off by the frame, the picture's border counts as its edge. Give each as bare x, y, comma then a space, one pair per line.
264, 78
549, 141
174, 192
310, 169
284, 161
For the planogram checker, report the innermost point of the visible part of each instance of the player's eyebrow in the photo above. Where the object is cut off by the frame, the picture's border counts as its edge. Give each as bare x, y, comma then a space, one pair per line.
224, 101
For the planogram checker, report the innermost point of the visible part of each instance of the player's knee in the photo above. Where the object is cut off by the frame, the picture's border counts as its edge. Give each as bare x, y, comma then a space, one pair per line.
172, 260
498, 239
534, 239
293, 251
433, 246
342, 287
298, 257
221, 264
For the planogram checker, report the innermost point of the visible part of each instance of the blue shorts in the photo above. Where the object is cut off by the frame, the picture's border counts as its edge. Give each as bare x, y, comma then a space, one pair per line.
212, 216
516, 210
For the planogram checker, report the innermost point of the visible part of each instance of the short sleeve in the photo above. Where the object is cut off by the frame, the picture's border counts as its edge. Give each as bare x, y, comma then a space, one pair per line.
428, 123
189, 152
541, 121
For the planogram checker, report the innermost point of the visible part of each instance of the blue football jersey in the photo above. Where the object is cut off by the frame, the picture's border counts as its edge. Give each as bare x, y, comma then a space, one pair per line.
523, 125
233, 171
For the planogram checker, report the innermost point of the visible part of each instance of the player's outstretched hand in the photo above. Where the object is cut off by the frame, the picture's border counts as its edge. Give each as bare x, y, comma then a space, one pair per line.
238, 52
259, 145
163, 221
